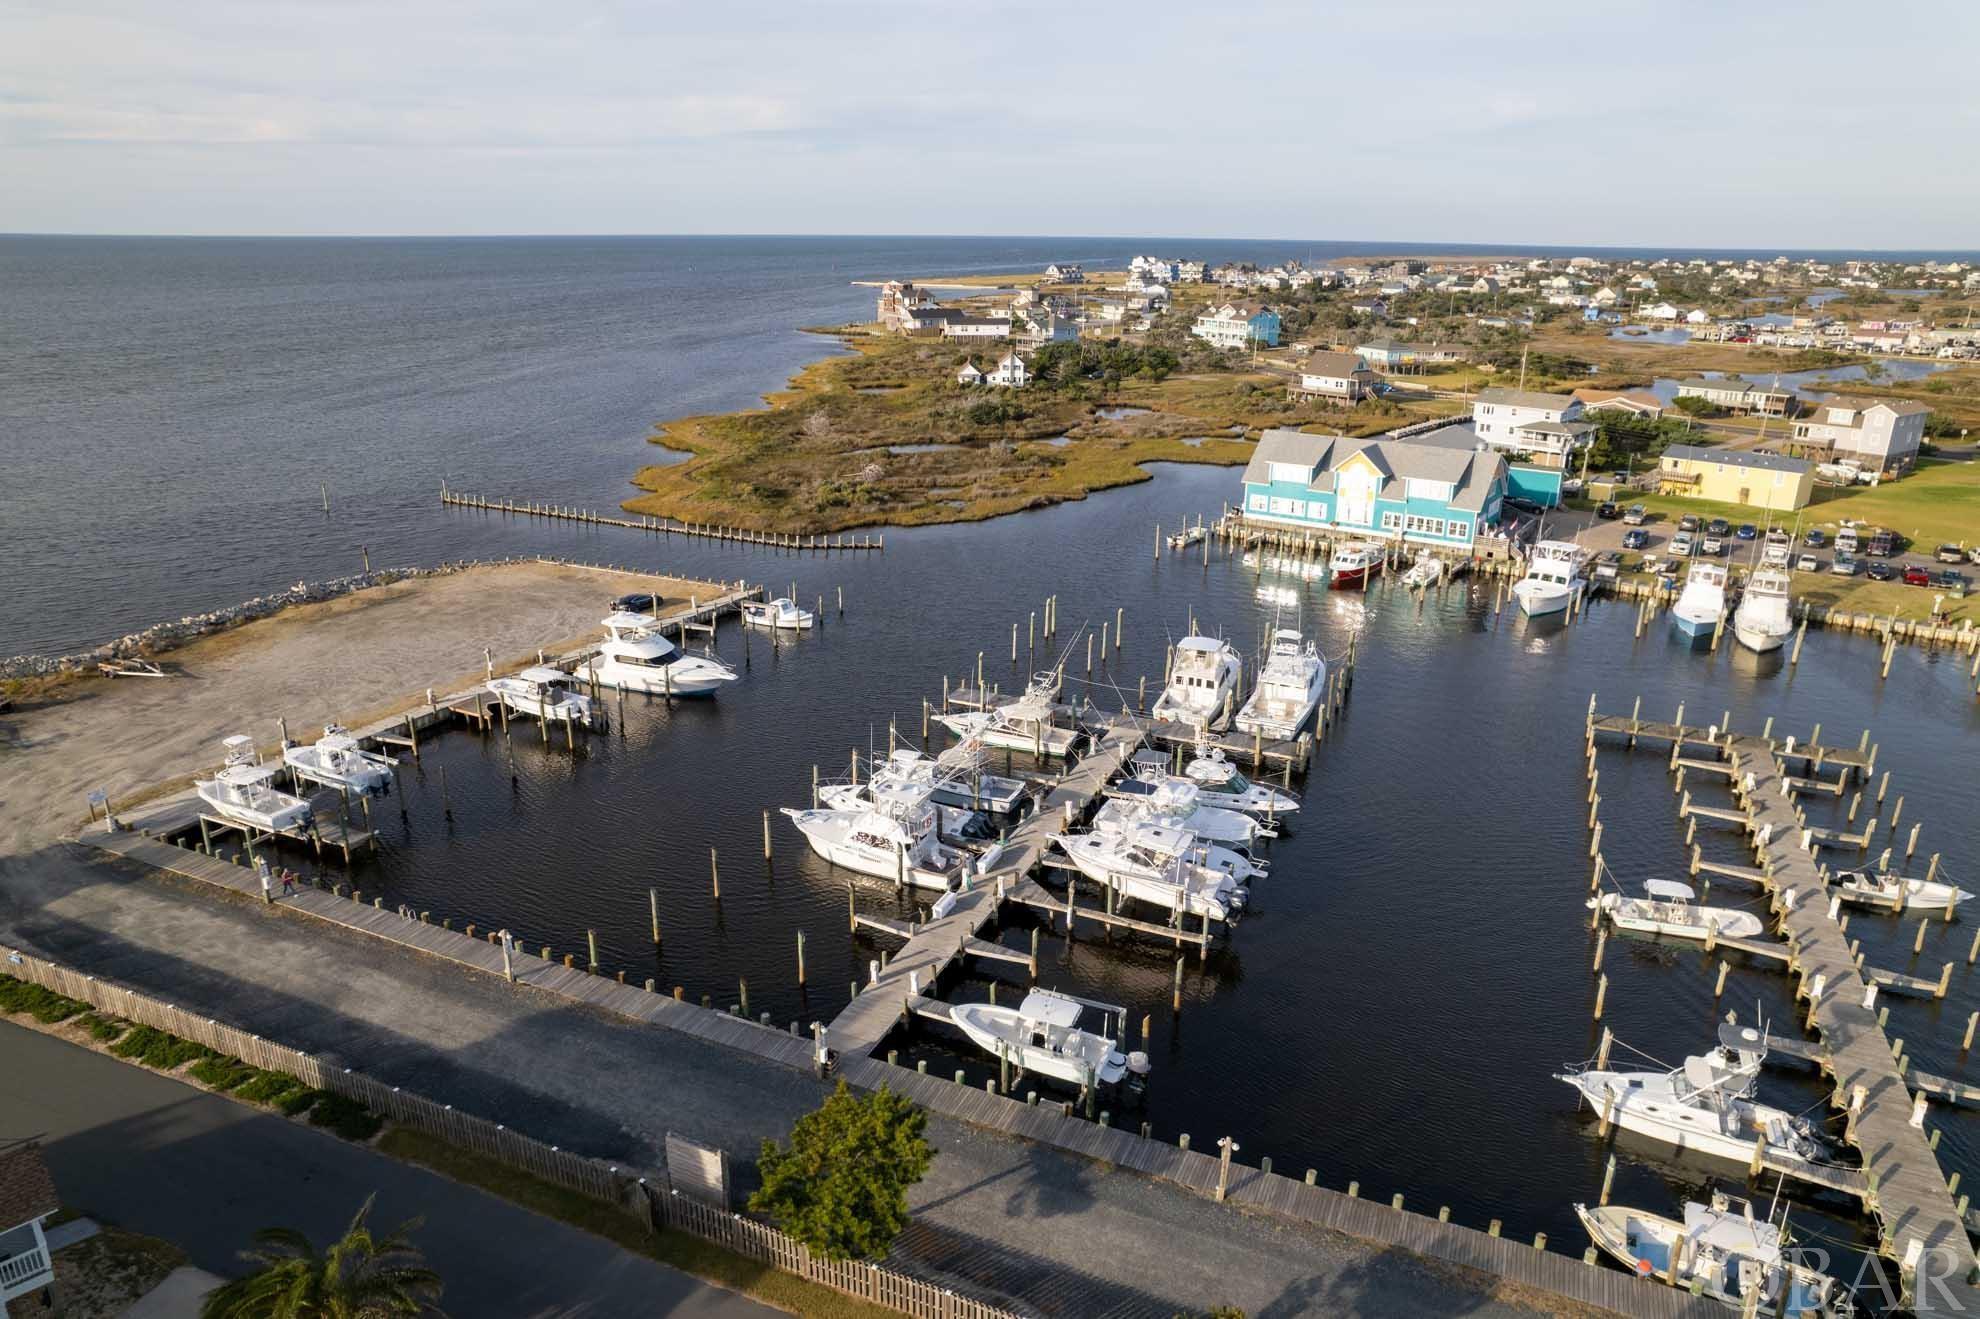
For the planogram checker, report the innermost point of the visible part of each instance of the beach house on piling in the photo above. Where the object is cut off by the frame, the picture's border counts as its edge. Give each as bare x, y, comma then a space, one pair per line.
1436, 494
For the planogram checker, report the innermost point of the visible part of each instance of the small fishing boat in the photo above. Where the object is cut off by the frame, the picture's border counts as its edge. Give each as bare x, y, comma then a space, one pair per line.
540, 691
337, 761
1030, 723
1187, 537
1704, 1106
1722, 1251
1668, 907
1045, 1035
1289, 688
1761, 622
1919, 894
1202, 686
782, 614
1155, 865
1702, 602
1352, 565
636, 658
1426, 572
241, 791
1553, 578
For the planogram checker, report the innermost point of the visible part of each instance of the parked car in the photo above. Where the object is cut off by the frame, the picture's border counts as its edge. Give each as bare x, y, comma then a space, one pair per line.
1816, 538
1717, 527
1637, 513
1747, 531
1522, 504
1974, 554
1882, 543
1917, 575
1689, 522
1635, 538
1846, 540
1844, 565
643, 602
1952, 583
1713, 546
1607, 509
1808, 563
1950, 554
1681, 545
1881, 572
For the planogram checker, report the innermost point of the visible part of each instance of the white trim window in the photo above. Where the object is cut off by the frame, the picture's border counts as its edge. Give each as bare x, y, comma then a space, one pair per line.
1458, 530
1258, 503
1391, 521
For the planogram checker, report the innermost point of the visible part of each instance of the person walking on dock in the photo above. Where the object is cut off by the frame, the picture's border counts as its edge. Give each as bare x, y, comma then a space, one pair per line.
288, 882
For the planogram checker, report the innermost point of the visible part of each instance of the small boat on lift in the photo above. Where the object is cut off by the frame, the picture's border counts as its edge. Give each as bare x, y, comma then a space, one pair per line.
1919, 894
782, 614
540, 691
1047, 1035
636, 658
337, 761
1289, 688
1353, 565
241, 792
1668, 907
1202, 686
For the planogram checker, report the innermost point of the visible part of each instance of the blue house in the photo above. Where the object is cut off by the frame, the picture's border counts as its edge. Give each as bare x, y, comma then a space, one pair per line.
1440, 495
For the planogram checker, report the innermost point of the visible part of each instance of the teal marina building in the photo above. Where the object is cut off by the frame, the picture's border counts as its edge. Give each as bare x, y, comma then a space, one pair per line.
1441, 489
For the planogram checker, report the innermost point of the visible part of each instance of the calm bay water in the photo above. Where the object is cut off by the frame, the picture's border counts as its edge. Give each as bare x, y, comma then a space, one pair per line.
1412, 972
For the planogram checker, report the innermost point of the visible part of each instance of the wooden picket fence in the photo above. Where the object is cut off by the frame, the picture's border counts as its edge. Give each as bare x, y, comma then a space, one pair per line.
654, 1205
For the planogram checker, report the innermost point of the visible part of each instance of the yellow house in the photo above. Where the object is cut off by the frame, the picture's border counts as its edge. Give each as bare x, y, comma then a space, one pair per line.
1737, 476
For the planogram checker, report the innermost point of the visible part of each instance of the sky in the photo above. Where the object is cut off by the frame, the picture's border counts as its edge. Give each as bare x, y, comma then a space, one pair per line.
1764, 124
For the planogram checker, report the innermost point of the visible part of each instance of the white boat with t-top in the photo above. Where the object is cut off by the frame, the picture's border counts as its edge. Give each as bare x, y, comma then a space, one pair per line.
890, 828
241, 791
1704, 1106
1030, 723
1761, 622
1700, 605
636, 658
1202, 686
1178, 803
542, 692
1219, 782
1157, 866
1668, 907
337, 761
1353, 564
1290, 685
1046, 1035
1720, 1251
783, 614
1554, 578
1920, 894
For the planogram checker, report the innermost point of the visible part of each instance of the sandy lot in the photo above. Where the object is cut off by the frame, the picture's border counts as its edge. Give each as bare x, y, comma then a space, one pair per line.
351, 660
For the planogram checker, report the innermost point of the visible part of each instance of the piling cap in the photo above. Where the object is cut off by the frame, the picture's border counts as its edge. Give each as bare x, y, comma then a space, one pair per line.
1137, 1063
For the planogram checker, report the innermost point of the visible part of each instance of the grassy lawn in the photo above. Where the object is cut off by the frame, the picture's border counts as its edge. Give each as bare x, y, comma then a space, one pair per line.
1937, 503
1863, 596
688, 1253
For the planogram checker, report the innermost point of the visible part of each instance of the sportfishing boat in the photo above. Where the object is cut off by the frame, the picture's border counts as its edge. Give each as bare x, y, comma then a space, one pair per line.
1723, 1251
1044, 1035
1122, 816
1178, 803
1222, 784
1703, 600
1705, 1105
636, 658
890, 830
540, 691
1030, 723
1289, 688
1425, 572
1203, 679
1157, 866
1353, 565
1668, 907
1921, 894
337, 761
1761, 622
1553, 578
782, 613
241, 791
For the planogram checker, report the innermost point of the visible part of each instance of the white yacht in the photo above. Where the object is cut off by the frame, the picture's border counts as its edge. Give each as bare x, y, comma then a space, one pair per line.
1289, 688
635, 657
1761, 622
337, 761
1157, 866
1919, 894
1668, 907
1705, 1105
1699, 606
889, 829
1203, 679
1030, 723
954, 782
1178, 803
1553, 578
1044, 1035
783, 614
1353, 564
1222, 784
539, 691
241, 791
1723, 1252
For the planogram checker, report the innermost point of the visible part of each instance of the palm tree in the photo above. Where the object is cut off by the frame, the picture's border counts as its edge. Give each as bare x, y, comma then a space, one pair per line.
360, 1276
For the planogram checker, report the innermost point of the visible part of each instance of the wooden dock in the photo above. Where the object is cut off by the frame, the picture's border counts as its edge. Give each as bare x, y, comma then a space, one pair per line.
779, 540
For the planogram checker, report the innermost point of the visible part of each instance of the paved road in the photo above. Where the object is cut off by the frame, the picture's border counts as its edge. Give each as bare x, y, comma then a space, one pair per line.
156, 1156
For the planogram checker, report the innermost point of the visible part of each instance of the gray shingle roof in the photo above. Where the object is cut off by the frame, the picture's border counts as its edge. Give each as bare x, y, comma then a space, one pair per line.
1526, 398
1764, 462
1340, 365
1465, 468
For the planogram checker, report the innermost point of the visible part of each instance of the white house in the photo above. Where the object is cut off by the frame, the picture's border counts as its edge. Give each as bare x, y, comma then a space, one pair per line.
976, 327
969, 375
27, 1199
1043, 327
1883, 434
1065, 273
1697, 316
1528, 421
1010, 372
1661, 311
1238, 325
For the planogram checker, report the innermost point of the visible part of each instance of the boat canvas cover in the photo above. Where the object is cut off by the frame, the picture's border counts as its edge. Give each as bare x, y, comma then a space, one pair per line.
1745, 1038
1731, 1233
1670, 890
1042, 1005
542, 673
626, 622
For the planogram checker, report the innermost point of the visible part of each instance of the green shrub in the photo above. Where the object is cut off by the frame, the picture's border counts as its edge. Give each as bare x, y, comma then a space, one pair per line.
298, 1101
103, 1028
269, 1088
222, 1073
156, 1048
346, 1117
46, 1006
